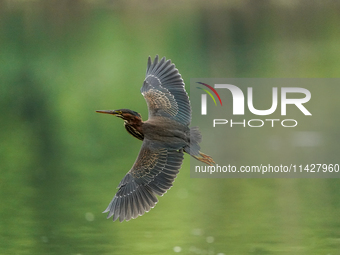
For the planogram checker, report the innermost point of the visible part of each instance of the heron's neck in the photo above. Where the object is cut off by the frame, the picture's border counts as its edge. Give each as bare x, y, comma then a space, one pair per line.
134, 128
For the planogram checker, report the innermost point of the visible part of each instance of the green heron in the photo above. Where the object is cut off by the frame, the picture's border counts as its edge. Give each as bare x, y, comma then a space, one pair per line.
165, 135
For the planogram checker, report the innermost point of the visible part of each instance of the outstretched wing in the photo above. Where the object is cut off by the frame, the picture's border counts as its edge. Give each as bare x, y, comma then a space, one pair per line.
164, 92
152, 174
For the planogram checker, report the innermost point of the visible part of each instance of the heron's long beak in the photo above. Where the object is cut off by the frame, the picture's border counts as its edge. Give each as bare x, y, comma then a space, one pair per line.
107, 112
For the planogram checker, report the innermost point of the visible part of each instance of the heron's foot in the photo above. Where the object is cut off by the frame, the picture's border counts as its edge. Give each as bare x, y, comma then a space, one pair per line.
205, 159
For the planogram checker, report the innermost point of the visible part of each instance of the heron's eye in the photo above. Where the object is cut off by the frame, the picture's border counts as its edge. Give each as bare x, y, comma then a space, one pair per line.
119, 112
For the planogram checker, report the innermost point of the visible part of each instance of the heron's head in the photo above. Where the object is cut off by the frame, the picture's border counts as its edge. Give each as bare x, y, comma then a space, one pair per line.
125, 114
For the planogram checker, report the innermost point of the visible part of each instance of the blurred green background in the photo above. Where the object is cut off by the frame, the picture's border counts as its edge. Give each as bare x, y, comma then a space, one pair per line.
60, 162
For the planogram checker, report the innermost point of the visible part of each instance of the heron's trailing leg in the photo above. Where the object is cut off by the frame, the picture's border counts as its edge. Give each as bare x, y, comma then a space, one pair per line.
194, 148
204, 158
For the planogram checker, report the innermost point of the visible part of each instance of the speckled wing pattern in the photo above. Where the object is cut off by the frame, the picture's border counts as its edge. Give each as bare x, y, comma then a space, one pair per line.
152, 174
164, 92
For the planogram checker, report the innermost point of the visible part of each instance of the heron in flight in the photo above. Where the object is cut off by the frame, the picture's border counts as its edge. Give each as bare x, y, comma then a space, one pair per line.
166, 136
